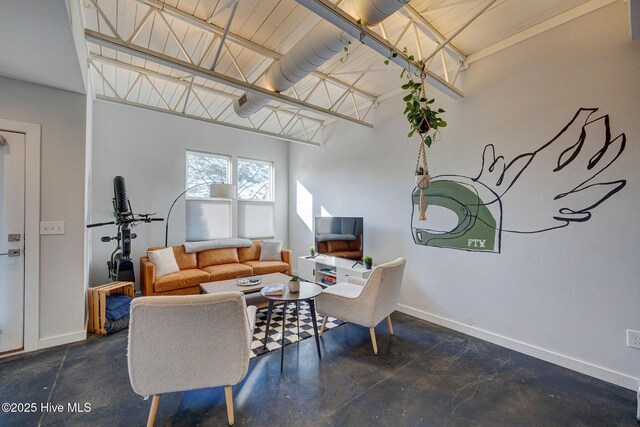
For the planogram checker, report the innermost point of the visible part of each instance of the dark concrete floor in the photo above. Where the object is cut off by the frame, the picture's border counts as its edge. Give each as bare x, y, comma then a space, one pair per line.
424, 375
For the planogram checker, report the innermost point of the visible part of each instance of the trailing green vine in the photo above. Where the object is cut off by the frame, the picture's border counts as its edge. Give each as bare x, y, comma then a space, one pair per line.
422, 116
346, 42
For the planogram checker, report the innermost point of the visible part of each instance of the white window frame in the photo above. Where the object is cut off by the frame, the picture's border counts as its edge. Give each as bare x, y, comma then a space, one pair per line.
272, 191
230, 175
229, 159
272, 178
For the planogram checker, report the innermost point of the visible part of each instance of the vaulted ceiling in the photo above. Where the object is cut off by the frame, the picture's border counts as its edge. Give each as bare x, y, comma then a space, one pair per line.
196, 57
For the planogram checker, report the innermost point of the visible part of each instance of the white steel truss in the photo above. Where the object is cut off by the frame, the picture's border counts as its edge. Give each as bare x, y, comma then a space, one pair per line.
187, 63
299, 128
193, 76
388, 45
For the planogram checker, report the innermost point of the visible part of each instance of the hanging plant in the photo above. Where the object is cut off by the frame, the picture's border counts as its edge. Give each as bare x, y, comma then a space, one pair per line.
346, 42
424, 119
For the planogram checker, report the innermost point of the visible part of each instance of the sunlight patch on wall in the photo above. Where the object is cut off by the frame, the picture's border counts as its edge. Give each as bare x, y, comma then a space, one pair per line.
304, 205
324, 212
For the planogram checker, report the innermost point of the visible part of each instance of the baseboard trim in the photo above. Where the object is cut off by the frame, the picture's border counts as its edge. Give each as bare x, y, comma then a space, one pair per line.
568, 362
62, 339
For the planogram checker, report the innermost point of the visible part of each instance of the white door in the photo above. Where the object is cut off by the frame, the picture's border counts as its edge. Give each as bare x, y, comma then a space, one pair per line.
12, 186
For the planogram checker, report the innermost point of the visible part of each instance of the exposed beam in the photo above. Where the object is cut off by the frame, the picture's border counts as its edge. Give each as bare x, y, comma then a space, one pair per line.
206, 26
217, 122
162, 59
634, 19
461, 28
180, 81
540, 28
430, 30
333, 14
239, 40
223, 39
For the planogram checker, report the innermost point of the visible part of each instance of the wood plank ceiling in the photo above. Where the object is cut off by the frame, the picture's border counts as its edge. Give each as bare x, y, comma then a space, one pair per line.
345, 87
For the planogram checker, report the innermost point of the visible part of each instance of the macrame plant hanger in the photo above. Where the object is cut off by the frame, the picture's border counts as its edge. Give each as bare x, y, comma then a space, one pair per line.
423, 181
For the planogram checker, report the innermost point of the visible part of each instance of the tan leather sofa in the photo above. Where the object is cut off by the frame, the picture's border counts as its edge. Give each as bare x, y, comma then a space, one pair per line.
208, 266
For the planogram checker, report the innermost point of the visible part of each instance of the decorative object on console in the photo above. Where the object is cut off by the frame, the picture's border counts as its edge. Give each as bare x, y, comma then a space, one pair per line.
339, 236
294, 284
271, 250
164, 260
222, 191
312, 251
368, 262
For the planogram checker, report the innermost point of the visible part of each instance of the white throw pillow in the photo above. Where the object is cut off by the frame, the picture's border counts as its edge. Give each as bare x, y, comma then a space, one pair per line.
271, 250
164, 260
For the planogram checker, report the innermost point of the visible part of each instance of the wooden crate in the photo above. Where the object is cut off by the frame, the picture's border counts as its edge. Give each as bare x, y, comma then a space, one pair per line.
98, 303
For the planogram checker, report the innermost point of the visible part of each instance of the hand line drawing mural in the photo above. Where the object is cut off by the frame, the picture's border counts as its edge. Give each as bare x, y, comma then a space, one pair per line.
560, 180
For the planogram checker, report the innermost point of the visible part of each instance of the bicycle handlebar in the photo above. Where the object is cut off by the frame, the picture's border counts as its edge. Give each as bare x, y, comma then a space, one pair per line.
125, 221
100, 224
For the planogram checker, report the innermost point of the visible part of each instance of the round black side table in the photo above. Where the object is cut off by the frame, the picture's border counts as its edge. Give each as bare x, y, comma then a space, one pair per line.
308, 291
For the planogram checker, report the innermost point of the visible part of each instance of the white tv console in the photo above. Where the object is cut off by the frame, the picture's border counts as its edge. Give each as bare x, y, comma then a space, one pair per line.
317, 269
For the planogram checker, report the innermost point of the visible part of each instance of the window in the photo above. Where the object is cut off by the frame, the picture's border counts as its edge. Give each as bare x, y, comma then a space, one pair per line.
256, 217
207, 218
204, 168
255, 180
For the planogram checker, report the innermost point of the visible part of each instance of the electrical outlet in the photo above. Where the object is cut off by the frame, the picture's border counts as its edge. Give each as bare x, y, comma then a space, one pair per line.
52, 227
633, 339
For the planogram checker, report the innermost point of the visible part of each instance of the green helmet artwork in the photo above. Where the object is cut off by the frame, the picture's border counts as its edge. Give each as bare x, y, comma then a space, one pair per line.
463, 214
566, 179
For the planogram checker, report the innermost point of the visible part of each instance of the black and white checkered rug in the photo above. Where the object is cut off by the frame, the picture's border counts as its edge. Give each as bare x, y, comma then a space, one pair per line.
291, 333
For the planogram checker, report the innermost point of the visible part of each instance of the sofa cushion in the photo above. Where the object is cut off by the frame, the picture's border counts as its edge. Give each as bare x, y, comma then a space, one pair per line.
227, 271
185, 261
252, 253
337, 245
271, 250
266, 267
164, 260
217, 257
181, 279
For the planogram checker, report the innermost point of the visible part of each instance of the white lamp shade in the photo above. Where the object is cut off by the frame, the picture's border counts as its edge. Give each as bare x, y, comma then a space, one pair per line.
223, 191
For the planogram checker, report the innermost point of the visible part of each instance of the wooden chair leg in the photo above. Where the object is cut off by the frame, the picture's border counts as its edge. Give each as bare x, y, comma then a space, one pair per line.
154, 408
373, 340
389, 324
228, 395
324, 322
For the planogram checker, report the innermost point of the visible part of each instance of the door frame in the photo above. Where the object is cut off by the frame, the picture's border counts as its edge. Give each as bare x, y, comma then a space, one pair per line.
32, 132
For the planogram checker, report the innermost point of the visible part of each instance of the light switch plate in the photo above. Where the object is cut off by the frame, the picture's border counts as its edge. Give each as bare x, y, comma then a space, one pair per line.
52, 227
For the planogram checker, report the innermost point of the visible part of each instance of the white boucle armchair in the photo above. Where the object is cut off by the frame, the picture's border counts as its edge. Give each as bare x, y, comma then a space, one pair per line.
179, 343
364, 303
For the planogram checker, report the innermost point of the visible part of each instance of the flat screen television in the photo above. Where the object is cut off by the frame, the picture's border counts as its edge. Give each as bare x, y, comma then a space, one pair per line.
339, 236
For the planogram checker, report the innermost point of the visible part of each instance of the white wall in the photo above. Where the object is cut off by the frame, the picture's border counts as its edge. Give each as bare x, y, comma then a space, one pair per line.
148, 149
567, 295
62, 117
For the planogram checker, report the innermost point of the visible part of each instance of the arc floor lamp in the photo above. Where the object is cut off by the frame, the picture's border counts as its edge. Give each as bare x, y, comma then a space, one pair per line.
216, 191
